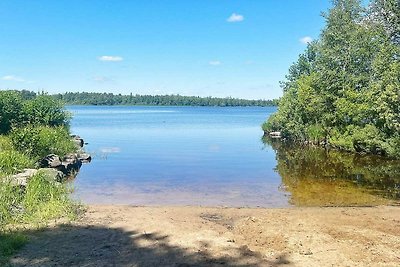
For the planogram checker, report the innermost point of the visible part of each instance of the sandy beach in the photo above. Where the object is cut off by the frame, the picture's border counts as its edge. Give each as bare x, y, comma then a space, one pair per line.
201, 236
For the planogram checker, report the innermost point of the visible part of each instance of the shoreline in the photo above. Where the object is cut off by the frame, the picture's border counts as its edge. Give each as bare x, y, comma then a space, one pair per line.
125, 235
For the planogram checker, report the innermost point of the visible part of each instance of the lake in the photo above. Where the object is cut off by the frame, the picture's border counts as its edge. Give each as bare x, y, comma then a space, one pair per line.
214, 156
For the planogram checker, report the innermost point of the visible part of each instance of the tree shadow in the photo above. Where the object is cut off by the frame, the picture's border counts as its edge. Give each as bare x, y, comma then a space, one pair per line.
71, 245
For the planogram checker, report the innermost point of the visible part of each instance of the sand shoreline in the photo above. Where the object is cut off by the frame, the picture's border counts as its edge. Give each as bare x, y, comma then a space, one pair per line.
111, 235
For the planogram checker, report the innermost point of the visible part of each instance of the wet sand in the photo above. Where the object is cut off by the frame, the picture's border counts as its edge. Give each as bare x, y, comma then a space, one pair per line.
200, 236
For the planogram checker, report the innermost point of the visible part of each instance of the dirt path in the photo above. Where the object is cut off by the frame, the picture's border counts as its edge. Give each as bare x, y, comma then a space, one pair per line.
197, 236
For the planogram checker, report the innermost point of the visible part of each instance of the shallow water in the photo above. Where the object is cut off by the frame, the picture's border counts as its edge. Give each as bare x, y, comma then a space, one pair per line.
198, 156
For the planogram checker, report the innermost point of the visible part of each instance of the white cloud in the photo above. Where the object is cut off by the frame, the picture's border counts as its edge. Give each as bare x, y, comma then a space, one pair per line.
12, 78
215, 63
306, 40
111, 58
235, 18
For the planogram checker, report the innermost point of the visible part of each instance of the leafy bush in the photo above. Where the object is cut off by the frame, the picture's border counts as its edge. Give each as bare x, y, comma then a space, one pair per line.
316, 133
10, 110
45, 110
272, 124
369, 140
39, 141
343, 141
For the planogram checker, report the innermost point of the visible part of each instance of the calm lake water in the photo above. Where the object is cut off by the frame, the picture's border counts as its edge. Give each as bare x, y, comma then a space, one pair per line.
213, 156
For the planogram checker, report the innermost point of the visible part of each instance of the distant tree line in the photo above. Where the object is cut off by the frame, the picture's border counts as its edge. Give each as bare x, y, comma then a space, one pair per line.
86, 98
344, 90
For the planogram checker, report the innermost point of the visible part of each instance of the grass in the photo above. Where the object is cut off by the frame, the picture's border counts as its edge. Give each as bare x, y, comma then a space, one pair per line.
12, 162
10, 243
46, 199
30, 129
42, 200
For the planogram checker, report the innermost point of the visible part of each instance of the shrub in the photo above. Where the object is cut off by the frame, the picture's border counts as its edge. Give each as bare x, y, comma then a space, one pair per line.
10, 110
272, 124
316, 133
369, 140
45, 110
342, 139
39, 141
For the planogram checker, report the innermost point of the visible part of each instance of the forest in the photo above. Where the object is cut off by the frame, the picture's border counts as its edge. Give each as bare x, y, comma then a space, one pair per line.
344, 90
85, 98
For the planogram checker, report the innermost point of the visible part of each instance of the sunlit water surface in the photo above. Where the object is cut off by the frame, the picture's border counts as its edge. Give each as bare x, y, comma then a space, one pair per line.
207, 156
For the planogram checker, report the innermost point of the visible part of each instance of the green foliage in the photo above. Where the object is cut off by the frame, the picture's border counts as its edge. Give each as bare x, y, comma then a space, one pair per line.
273, 124
345, 88
45, 110
85, 98
31, 127
12, 161
39, 141
5, 143
19, 108
42, 199
11, 198
316, 133
46, 199
10, 110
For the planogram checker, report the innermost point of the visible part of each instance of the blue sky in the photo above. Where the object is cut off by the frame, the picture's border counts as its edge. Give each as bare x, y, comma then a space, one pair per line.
238, 48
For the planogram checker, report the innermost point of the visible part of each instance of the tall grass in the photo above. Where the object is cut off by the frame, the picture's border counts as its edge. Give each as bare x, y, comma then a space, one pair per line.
12, 161
41, 201
47, 199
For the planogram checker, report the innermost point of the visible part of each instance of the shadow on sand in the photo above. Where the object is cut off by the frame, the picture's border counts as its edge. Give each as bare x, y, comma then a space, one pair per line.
70, 245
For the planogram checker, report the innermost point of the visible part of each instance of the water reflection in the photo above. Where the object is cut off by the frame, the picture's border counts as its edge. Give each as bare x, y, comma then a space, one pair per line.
318, 177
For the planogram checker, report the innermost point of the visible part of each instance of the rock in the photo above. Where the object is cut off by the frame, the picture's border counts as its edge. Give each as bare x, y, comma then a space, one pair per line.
70, 165
54, 174
50, 161
22, 179
78, 140
84, 157
275, 134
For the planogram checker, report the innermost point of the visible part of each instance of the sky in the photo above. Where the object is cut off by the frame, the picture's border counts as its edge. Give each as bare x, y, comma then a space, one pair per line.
221, 48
